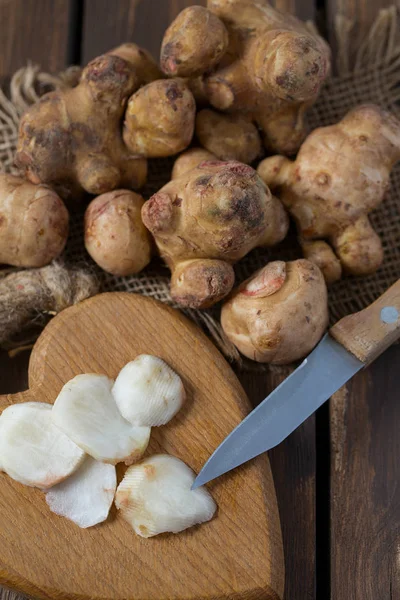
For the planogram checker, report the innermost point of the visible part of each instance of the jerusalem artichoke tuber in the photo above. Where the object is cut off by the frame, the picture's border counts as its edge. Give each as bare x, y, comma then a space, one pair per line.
205, 220
279, 314
340, 174
33, 223
115, 236
272, 67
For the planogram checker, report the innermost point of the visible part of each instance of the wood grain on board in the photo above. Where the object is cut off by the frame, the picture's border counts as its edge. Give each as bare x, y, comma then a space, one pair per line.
238, 554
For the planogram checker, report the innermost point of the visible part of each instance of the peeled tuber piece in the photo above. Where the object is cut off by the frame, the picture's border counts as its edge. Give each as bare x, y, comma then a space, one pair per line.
279, 314
159, 119
190, 159
148, 392
205, 220
155, 497
72, 138
33, 451
229, 137
86, 412
33, 223
195, 41
271, 70
115, 236
86, 497
341, 173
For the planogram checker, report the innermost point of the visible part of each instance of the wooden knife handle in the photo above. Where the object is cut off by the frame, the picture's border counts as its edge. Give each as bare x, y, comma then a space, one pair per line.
369, 332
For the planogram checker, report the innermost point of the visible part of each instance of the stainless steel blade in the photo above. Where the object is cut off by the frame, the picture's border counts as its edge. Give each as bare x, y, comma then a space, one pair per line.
320, 375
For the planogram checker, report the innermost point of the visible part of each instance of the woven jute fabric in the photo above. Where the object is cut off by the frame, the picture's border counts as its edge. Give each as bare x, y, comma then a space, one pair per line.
372, 76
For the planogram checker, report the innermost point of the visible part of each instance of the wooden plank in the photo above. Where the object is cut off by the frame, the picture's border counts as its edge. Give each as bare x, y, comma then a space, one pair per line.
361, 12
36, 30
293, 466
140, 21
365, 491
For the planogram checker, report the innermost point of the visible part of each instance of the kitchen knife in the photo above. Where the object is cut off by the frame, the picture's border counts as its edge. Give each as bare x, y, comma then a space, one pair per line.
353, 343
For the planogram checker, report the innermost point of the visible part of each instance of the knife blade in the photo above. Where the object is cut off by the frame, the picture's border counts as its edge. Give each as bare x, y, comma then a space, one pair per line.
350, 345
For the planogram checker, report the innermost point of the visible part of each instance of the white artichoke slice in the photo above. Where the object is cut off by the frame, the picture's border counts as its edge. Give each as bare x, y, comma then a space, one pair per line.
155, 497
86, 412
148, 392
86, 497
33, 451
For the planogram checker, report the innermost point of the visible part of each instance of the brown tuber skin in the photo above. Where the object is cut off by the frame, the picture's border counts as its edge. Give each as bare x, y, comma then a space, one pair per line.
279, 314
205, 220
115, 236
33, 223
340, 174
229, 137
159, 119
180, 57
272, 69
190, 160
72, 138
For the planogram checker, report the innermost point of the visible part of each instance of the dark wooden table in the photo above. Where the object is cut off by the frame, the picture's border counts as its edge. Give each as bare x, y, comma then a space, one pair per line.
338, 476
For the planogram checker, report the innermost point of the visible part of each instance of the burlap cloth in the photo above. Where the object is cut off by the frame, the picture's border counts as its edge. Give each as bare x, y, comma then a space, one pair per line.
373, 76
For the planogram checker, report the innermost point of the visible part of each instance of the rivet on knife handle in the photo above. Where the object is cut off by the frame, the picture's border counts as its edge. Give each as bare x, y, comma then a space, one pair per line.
371, 331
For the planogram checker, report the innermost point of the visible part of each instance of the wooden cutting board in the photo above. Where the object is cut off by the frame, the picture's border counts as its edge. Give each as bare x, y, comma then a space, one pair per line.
237, 555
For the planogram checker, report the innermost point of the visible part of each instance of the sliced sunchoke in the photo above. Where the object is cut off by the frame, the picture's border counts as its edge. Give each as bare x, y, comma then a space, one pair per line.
86, 411
155, 497
86, 497
33, 450
148, 392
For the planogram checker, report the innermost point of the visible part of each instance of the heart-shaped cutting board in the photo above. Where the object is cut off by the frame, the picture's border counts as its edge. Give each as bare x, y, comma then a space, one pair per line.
236, 555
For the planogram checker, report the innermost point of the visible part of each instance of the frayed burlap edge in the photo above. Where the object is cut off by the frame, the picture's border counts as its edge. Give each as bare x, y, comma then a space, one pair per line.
373, 75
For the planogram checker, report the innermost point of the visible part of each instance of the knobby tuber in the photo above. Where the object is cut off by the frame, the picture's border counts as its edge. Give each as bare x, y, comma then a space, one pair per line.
189, 160
26, 294
33, 223
115, 236
159, 119
205, 220
72, 139
279, 314
271, 68
340, 174
229, 137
